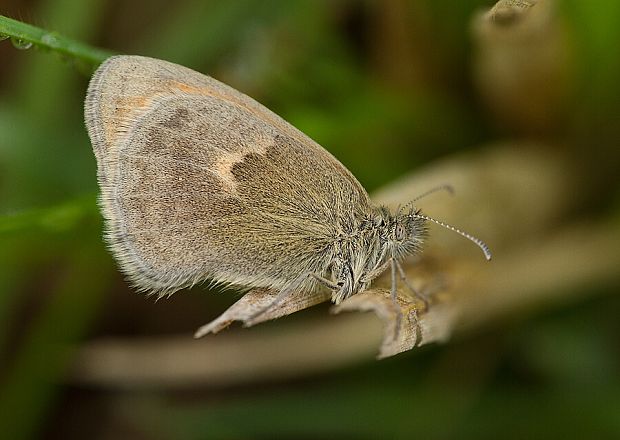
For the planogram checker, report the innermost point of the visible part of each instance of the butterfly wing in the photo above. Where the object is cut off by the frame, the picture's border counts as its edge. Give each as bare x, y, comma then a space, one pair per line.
200, 182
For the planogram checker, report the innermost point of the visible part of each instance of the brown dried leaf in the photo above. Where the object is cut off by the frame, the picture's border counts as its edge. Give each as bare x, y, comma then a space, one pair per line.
508, 11
405, 325
523, 63
416, 326
540, 264
255, 300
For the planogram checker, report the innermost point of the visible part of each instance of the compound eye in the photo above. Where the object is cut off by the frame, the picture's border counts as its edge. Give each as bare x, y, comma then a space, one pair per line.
400, 233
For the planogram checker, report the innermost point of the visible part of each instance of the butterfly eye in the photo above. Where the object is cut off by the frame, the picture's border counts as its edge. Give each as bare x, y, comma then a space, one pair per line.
399, 232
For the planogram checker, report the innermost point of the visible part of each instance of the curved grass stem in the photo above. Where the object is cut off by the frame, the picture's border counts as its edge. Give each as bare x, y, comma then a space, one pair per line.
24, 36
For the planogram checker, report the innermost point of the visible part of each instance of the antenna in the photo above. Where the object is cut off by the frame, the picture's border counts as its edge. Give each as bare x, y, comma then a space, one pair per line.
445, 187
480, 243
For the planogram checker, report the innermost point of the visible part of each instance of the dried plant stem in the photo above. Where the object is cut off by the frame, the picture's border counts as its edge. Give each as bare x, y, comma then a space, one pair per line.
533, 268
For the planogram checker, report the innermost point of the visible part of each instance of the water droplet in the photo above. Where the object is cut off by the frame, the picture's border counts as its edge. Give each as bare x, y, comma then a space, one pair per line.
50, 39
18, 43
3, 37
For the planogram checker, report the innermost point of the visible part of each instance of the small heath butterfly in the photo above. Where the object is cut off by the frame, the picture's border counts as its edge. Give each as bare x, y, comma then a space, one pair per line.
199, 182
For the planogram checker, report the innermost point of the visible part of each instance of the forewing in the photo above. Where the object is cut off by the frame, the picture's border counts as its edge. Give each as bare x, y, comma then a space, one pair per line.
199, 182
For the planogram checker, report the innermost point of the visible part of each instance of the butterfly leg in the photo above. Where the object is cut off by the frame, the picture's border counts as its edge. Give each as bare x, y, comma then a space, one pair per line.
418, 329
324, 281
417, 293
370, 276
394, 290
394, 293
277, 300
287, 291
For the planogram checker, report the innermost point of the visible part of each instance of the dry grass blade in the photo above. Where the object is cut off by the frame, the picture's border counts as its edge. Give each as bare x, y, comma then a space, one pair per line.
533, 269
245, 310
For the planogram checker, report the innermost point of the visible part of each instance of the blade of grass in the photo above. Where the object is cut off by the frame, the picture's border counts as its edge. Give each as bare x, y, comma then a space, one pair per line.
23, 34
59, 217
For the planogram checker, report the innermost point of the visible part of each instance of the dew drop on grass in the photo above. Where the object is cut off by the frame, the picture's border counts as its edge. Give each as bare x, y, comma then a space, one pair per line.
50, 39
18, 43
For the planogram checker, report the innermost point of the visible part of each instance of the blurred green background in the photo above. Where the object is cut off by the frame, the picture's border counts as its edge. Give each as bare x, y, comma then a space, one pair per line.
386, 86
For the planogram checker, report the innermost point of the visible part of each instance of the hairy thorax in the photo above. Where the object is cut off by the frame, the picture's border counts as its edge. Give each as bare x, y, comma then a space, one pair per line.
363, 249
357, 251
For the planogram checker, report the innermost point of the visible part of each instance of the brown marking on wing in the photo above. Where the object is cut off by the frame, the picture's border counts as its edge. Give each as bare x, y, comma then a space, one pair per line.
125, 109
261, 115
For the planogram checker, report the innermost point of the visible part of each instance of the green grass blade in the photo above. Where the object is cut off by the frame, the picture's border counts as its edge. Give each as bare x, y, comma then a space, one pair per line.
24, 35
